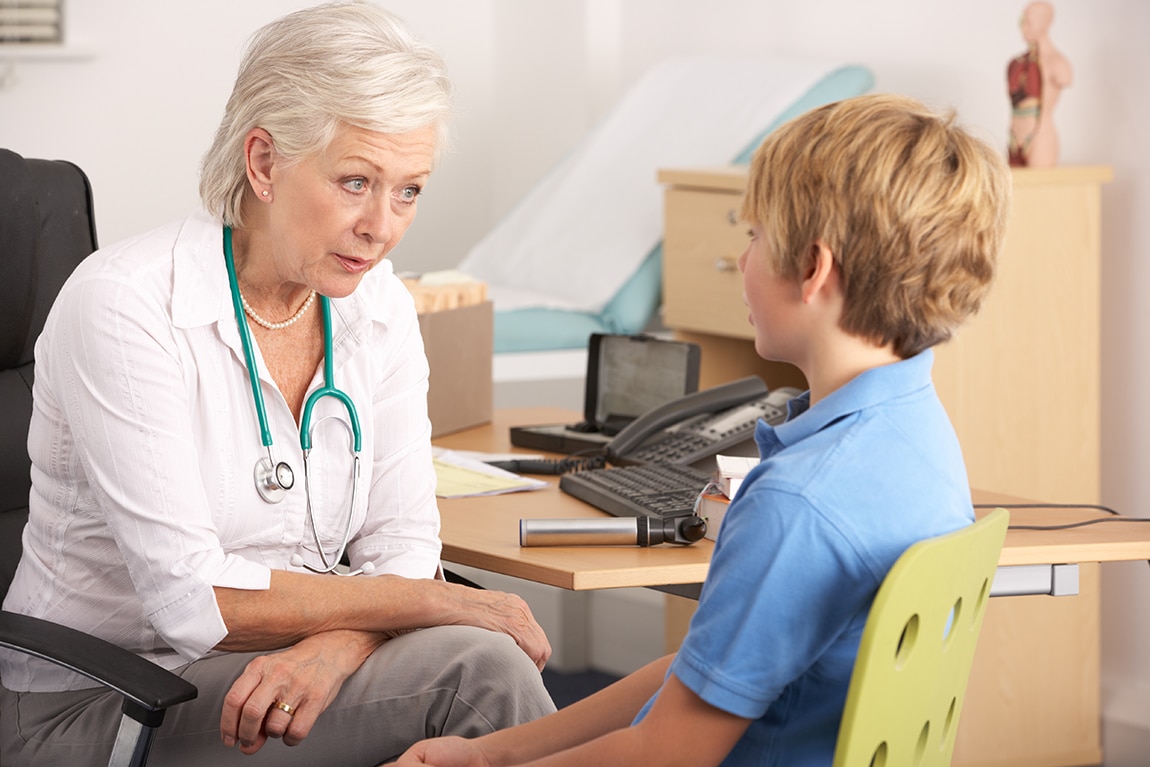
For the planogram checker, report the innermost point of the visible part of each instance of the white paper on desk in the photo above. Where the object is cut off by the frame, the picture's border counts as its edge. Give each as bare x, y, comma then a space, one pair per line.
476, 455
459, 476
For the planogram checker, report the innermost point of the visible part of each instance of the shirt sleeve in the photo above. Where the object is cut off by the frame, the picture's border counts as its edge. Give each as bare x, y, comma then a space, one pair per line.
783, 585
123, 389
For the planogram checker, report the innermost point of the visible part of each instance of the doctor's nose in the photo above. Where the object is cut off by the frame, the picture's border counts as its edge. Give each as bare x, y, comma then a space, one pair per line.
377, 222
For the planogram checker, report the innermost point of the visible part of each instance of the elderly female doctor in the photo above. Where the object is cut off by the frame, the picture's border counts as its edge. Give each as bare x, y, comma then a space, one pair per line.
173, 510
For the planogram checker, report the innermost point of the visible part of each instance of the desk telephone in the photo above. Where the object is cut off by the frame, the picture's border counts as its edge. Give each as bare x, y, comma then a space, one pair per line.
657, 457
699, 425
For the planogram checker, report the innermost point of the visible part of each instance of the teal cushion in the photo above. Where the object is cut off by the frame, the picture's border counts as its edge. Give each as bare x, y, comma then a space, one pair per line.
631, 309
532, 330
628, 312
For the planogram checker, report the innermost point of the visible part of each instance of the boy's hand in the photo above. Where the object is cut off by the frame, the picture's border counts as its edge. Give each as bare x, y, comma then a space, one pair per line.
445, 752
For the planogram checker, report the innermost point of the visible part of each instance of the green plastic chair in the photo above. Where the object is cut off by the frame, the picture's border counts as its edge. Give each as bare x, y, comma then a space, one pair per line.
917, 648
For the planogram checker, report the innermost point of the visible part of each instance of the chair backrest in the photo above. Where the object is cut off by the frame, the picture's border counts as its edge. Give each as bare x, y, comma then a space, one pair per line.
46, 229
914, 660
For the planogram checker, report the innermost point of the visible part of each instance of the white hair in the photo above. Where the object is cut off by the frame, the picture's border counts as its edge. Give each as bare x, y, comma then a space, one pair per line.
307, 73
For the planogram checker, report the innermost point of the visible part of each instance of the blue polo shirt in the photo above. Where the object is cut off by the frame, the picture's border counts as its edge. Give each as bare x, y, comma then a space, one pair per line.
844, 487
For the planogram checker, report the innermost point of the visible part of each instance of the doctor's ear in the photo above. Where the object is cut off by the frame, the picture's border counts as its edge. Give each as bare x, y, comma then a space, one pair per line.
259, 156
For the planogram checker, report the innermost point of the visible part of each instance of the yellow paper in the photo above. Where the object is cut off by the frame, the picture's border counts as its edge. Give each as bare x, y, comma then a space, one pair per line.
455, 481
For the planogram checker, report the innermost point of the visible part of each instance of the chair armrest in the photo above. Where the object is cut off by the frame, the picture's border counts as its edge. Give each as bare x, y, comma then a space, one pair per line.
150, 687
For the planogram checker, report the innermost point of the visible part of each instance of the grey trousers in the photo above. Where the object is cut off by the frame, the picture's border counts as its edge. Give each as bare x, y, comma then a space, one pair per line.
452, 680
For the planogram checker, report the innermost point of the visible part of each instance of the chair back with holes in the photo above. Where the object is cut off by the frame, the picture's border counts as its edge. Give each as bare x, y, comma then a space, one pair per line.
916, 652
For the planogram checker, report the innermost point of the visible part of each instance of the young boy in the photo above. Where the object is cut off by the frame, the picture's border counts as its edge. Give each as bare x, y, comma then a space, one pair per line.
875, 226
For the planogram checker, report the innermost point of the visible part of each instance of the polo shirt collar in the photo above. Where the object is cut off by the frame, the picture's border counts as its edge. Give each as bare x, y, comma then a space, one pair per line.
868, 389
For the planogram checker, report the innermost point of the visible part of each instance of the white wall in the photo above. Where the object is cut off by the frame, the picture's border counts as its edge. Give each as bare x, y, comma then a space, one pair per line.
532, 77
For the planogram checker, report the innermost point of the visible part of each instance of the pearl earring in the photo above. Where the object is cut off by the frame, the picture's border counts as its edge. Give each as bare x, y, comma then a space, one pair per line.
265, 193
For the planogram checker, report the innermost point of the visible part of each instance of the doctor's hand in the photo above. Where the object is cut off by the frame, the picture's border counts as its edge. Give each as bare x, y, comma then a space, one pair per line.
502, 612
282, 694
445, 752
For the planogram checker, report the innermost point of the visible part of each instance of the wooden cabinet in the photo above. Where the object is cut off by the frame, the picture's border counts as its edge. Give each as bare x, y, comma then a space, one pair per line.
702, 285
1021, 383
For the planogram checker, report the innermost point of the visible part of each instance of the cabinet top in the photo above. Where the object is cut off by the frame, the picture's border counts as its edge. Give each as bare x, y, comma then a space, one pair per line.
733, 178
720, 178
1063, 174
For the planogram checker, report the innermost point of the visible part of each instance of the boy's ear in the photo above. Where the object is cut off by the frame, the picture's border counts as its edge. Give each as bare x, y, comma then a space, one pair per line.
818, 269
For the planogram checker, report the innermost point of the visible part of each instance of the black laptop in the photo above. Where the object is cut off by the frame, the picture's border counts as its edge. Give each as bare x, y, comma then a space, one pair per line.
627, 375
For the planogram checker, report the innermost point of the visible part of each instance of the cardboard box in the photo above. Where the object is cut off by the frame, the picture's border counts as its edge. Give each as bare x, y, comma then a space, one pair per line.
459, 345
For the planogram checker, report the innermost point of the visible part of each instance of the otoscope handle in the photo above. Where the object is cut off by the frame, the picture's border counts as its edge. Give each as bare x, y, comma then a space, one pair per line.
610, 531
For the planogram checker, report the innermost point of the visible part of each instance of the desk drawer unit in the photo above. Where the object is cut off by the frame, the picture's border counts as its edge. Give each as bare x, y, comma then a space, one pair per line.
703, 239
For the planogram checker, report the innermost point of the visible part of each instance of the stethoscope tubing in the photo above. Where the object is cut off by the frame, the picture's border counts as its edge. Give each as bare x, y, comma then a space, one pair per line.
327, 390
246, 342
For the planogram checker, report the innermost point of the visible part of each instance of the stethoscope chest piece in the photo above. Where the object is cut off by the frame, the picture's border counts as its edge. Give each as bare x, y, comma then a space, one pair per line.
273, 480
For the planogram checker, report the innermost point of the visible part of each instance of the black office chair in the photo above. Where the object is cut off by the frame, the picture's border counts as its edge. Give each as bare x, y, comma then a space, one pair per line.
46, 229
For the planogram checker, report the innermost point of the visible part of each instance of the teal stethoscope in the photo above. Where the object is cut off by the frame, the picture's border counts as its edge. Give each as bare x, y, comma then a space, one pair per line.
273, 479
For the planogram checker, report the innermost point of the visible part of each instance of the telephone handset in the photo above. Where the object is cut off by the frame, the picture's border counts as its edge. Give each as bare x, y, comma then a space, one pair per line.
716, 403
659, 457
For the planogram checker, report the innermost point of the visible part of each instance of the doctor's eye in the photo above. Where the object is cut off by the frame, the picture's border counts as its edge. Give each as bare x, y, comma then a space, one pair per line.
355, 184
410, 193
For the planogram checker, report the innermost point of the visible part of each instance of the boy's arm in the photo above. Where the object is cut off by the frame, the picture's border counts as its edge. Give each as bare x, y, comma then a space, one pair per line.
680, 728
612, 708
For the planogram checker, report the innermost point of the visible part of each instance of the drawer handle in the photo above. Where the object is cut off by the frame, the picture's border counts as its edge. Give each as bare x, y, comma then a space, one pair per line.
732, 217
726, 265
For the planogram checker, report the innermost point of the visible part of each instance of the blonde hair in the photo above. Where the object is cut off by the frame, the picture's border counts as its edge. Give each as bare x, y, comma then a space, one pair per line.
311, 71
913, 207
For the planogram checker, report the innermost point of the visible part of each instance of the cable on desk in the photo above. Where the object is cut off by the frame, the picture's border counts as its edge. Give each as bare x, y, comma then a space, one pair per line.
1116, 517
550, 465
1070, 525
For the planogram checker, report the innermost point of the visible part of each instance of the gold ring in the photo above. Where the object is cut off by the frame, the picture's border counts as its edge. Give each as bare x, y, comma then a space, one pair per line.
287, 708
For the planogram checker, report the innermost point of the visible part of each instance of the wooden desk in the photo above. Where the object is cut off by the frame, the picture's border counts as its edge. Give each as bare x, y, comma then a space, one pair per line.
483, 532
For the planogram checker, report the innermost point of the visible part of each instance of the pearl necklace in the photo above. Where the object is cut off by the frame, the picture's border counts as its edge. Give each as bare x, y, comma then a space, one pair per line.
277, 325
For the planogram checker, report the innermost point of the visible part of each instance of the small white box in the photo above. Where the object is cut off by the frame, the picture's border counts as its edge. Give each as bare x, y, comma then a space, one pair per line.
732, 469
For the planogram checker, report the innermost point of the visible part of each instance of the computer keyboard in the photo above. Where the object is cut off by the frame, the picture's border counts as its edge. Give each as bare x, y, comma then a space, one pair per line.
659, 490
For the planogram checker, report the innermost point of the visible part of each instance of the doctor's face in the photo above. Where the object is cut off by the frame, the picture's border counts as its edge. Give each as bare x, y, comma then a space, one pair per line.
336, 215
